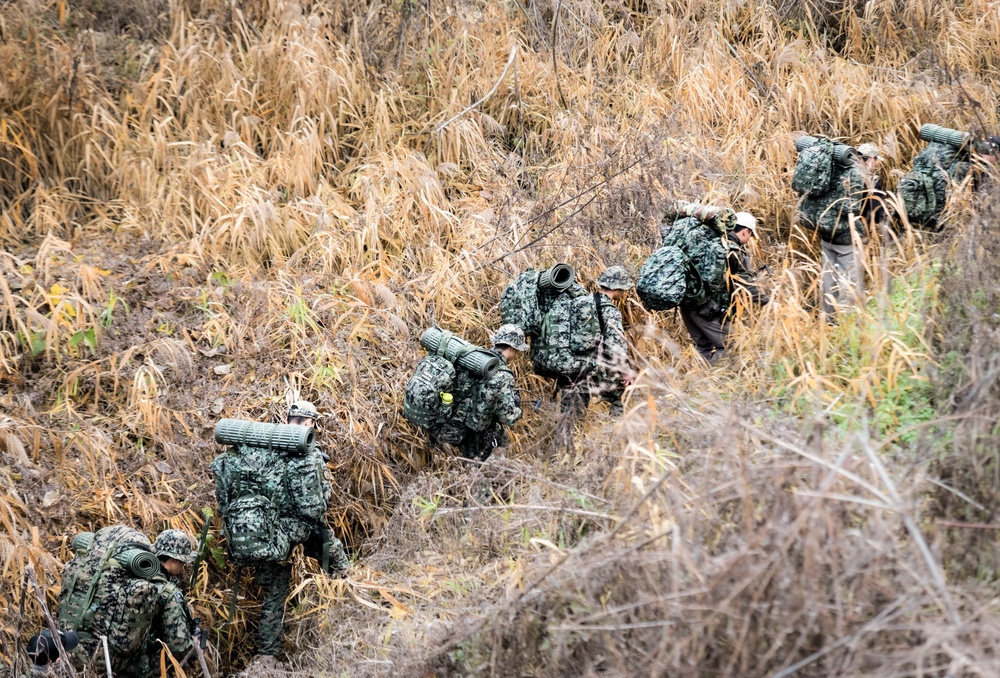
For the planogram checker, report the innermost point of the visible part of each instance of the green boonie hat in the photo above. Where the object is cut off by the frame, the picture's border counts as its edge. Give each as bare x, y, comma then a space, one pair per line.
510, 335
615, 278
174, 544
303, 408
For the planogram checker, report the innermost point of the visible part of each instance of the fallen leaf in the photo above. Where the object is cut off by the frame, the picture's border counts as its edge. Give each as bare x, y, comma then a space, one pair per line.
217, 406
222, 369
50, 498
163, 467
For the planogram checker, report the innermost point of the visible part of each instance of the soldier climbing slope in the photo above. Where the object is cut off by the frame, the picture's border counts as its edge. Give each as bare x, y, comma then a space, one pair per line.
613, 371
830, 179
114, 587
295, 490
709, 324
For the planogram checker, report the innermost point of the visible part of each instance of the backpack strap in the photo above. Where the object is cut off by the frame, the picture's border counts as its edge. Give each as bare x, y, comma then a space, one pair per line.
94, 580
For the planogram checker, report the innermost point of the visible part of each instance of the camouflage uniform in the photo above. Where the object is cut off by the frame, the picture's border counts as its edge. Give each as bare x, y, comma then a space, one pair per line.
708, 324
483, 407
613, 363
131, 612
495, 405
301, 496
836, 216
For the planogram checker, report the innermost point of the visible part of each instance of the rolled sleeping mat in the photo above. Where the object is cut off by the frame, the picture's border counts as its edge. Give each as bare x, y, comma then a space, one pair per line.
943, 135
81, 542
139, 562
556, 279
804, 142
285, 437
478, 360
844, 154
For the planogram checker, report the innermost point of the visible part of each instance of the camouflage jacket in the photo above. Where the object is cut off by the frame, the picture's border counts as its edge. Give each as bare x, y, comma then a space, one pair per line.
135, 614
613, 363
495, 401
830, 213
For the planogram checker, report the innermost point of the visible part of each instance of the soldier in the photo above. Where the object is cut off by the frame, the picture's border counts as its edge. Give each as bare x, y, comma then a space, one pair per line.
613, 371
496, 403
708, 324
173, 625
275, 578
873, 207
139, 615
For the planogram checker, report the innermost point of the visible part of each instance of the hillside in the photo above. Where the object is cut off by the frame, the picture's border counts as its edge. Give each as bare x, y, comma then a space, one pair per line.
209, 209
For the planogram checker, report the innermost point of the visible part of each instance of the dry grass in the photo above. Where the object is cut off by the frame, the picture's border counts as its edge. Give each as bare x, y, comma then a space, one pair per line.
265, 204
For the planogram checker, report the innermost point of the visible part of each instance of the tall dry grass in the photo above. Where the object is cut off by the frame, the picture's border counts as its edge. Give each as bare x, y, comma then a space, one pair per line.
209, 213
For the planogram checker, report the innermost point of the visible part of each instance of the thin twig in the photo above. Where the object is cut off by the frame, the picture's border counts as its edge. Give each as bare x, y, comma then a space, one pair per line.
555, 63
496, 85
525, 507
29, 571
935, 569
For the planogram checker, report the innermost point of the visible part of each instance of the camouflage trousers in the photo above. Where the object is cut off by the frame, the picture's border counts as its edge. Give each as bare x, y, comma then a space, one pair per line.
575, 396
275, 580
475, 445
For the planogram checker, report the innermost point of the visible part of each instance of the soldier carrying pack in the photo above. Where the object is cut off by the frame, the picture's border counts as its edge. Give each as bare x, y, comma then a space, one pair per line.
561, 318
692, 256
944, 160
270, 487
829, 179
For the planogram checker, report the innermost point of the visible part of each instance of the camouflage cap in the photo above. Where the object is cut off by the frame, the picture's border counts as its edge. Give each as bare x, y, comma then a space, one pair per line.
303, 408
615, 278
174, 544
510, 335
867, 151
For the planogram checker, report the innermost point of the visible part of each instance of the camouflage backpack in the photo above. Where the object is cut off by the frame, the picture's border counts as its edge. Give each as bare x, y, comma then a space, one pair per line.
519, 304
924, 189
83, 579
250, 488
431, 392
829, 213
814, 169
691, 264
309, 493
570, 334
663, 279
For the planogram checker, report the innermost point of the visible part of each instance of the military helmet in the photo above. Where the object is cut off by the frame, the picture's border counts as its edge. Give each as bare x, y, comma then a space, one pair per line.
615, 278
303, 408
510, 335
174, 544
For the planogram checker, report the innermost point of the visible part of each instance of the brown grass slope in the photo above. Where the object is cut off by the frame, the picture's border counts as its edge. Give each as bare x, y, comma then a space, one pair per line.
209, 208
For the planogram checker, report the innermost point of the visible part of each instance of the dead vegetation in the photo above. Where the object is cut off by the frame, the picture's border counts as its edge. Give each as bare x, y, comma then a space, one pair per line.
209, 208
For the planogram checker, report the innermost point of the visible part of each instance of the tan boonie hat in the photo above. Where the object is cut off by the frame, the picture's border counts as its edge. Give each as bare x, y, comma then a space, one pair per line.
869, 151
510, 335
303, 408
747, 220
174, 544
615, 278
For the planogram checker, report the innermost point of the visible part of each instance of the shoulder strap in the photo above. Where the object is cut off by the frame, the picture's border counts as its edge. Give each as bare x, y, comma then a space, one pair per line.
600, 314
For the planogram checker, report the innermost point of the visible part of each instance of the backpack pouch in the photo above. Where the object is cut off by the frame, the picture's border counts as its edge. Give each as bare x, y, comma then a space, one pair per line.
252, 531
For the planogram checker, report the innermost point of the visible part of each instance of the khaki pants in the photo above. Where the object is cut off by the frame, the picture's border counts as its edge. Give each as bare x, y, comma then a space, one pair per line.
843, 279
709, 336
